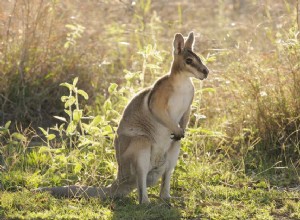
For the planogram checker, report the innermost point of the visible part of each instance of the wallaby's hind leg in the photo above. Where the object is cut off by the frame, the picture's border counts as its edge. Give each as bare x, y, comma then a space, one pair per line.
121, 188
172, 157
137, 156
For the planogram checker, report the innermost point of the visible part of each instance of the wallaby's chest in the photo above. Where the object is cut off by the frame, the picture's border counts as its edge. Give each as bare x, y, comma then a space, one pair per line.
180, 100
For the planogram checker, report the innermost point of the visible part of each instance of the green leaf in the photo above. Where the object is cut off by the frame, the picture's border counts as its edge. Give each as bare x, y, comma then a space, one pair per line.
112, 88
67, 44
60, 118
211, 59
77, 115
107, 130
50, 137
64, 98
208, 90
71, 127
68, 112
68, 85
61, 127
19, 136
75, 81
96, 121
107, 105
70, 101
77, 168
83, 93
44, 131
7, 124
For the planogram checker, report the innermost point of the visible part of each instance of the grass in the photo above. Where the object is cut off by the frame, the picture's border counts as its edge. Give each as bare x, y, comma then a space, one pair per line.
202, 193
240, 156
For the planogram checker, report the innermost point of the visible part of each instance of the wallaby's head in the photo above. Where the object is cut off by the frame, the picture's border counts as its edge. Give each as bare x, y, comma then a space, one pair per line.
185, 60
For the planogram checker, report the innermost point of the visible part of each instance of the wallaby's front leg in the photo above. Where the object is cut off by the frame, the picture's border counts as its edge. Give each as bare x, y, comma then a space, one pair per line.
172, 157
185, 119
162, 114
160, 107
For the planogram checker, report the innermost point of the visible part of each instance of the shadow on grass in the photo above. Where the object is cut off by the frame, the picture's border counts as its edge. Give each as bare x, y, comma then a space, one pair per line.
127, 208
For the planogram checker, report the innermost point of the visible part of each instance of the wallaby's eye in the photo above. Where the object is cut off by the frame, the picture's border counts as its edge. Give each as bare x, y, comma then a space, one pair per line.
189, 61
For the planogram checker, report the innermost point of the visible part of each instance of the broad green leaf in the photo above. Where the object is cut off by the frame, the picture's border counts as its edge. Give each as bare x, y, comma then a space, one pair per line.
68, 112
7, 124
19, 136
50, 137
60, 118
83, 93
44, 131
68, 85
70, 101
77, 115
96, 121
71, 127
64, 98
107, 130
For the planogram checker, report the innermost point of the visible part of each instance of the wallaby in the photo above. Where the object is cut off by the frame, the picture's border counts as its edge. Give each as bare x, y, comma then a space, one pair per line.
147, 141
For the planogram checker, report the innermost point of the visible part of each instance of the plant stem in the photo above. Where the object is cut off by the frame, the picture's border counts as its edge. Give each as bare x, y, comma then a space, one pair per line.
77, 108
71, 117
298, 16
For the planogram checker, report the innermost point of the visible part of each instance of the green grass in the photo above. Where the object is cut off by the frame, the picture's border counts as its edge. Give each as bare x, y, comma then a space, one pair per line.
196, 196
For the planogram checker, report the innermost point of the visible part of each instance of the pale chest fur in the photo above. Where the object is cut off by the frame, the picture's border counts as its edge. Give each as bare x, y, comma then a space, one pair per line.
181, 99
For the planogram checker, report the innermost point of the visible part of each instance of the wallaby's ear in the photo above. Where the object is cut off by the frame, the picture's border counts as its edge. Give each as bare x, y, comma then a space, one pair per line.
178, 43
190, 41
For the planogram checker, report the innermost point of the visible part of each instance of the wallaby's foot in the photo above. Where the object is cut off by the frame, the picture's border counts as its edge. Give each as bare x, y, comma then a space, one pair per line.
165, 195
145, 201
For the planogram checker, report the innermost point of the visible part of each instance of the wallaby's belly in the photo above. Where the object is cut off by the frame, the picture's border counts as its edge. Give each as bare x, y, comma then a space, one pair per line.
160, 146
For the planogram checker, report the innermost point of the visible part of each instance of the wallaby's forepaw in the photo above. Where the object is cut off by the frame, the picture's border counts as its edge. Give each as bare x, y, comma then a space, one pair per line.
177, 137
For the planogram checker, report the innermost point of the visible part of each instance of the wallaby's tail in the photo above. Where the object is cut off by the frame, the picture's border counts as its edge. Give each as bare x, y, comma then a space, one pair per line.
74, 191
116, 190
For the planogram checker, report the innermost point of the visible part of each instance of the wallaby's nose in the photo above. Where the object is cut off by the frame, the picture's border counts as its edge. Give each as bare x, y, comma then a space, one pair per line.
205, 71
